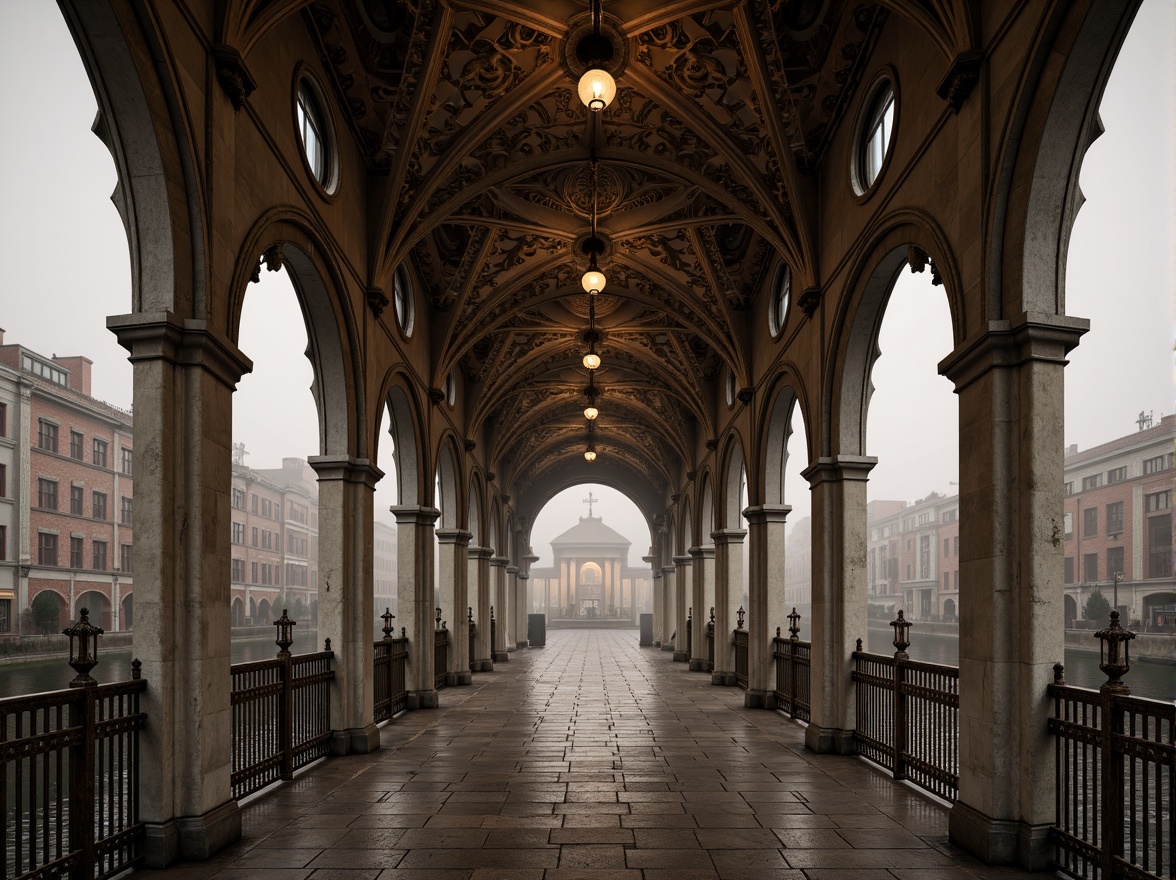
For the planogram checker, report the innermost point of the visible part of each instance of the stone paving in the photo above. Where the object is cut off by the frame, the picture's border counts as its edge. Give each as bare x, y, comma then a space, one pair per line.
591, 759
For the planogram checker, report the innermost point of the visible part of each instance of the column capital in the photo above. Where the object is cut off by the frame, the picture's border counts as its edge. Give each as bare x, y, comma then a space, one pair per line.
728, 536
460, 537
524, 576
683, 560
345, 468
1031, 336
839, 468
476, 552
767, 513
702, 552
411, 514
512, 569
182, 341
498, 561
669, 569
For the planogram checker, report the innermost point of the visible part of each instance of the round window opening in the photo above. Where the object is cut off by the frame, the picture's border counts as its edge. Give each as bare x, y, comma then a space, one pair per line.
402, 301
317, 143
450, 388
875, 134
781, 297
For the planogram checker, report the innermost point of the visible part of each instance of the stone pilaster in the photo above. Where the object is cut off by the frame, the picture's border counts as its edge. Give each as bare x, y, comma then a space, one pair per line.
839, 596
346, 493
670, 629
498, 589
479, 557
510, 614
1009, 379
655, 595
184, 375
414, 596
452, 584
728, 597
683, 596
704, 591
765, 598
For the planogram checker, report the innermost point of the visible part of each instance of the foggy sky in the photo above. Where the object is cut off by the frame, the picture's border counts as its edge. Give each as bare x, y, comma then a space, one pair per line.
64, 268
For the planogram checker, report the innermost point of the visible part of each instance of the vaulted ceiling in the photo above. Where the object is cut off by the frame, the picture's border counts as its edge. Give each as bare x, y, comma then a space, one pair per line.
469, 118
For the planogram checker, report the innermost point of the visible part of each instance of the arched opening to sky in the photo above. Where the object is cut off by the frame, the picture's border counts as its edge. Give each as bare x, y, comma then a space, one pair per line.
565, 509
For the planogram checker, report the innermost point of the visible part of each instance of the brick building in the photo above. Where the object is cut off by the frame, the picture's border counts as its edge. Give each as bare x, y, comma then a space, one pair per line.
384, 567
66, 489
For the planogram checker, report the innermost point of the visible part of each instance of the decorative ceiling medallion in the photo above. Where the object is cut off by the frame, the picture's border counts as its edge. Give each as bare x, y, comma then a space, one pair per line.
581, 26
577, 189
605, 305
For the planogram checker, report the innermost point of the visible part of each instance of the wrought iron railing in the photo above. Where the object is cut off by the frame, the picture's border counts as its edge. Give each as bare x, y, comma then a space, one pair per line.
710, 642
1116, 774
440, 652
793, 659
281, 716
908, 716
739, 639
390, 673
69, 775
689, 633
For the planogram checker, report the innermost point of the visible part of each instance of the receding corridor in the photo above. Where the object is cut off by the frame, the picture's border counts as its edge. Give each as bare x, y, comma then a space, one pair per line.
591, 759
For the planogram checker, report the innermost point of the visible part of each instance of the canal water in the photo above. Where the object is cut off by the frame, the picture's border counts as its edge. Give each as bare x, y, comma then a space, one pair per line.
1147, 678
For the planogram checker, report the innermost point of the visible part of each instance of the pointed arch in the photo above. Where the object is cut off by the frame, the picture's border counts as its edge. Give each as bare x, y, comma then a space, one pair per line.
475, 516
785, 397
449, 477
408, 454
733, 469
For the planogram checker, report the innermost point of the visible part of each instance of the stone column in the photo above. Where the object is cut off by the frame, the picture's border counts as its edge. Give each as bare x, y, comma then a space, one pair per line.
765, 562
1009, 379
683, 597
728, 569
510, 614
526, 599
655, 596
701, 609
498, 602
839, 596
414, 597
346, 492
184, 375
670, 630
453, 585
479, 558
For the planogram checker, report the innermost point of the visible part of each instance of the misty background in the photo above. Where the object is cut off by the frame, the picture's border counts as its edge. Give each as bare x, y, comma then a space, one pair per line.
64, 268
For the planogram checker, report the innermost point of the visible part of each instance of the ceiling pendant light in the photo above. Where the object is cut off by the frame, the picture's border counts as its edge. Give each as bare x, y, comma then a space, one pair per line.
590, 411
597, 88
592, 359
590, 452
593, 280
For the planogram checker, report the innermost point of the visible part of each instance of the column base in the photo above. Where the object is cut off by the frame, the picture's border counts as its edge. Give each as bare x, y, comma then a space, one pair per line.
522, 645
999, 841
667, 646
723, 679
483, 666
511, 648
465, 678
355, 740
757, 700
829, 740
501, 657
657, 643
194, 838
421, 700
697, 665
681, 657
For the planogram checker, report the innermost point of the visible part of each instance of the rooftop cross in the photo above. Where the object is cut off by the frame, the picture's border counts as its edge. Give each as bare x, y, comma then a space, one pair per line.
590, 500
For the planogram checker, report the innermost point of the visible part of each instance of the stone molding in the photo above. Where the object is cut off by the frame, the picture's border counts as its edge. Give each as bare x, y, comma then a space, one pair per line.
330, 468
232, 74
180, 341
767, 513
681, 561
411, 514
498, 561
476, 552
1033, 336
838, 468
460, 537
728, 536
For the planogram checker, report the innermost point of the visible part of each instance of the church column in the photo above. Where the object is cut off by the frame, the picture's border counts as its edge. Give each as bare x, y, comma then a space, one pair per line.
728, 597
1009, 379
414, 598
514, 607
765, 598
346, 495
498, 603
480, 576
654, 596
684, 596
184, 376
453, 587
839, 596
526, 599
703, 560
563, 589
670, 629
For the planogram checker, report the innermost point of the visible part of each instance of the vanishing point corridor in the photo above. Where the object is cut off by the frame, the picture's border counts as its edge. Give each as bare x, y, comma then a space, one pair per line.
591, 759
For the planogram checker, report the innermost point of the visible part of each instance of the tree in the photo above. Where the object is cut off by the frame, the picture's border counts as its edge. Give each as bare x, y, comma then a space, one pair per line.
46, 611
1097, 608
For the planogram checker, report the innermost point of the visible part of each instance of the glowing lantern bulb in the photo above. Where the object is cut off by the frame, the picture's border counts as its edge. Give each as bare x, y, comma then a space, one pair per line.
591, 360
593, 281
597, 88
590, 413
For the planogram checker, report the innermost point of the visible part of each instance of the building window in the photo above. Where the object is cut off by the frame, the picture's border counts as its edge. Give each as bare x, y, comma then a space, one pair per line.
99, 555
253, 573
47, 494
1157, 464
1091, 482
98, 506
253, 503
1157, 501
1117, 475
925, 557
75, 500
3, 419
947, 580
3, 481
46, 435
402, 301
1115, 518
128, 462
75, 552
1090, 568
781, 296
1159, 546
876, 134
946, 546
1068, 577
239, 499
125, 558
238, 571
1089, 522
238, 533
46, 549
75, 445
99, 452
1069, 488
3, 542
1068, 523
313, 131
956, 545
253, 536
1114, 561
127, 513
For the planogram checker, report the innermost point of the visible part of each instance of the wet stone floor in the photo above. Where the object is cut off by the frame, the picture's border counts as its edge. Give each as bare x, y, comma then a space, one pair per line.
591, 759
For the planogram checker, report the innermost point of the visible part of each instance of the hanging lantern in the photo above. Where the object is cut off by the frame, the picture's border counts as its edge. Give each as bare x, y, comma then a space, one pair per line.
590, 454
593, 279
597, 88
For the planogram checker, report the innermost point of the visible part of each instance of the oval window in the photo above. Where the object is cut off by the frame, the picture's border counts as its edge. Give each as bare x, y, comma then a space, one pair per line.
875, 135
730, 387
450, 388
318, 146
781, 297
402, 301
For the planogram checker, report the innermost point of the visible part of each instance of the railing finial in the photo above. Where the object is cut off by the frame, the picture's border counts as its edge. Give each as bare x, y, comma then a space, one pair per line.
388, 617
1059, 673
285, 636
739, 617
901, 641
1114, 656
84, 656
794, 624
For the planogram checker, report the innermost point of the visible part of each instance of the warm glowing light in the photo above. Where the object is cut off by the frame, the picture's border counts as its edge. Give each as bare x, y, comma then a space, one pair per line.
597, 88
590, 455
591, 360
591, 413
593, 281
